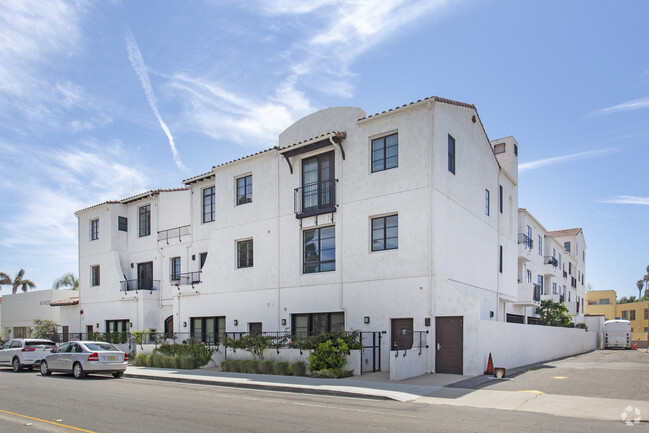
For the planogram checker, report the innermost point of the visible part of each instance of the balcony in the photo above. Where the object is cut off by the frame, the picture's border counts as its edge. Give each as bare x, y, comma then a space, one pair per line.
176, 233
549, 260
573, 282
185, 279
529, 295
140, 284
525, 240
315, 199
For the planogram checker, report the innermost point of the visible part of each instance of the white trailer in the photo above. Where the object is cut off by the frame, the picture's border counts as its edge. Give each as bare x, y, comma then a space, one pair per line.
617, 334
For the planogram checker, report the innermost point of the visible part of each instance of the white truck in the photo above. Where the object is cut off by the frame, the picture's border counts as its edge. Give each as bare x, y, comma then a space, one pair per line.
617, 334
24, 352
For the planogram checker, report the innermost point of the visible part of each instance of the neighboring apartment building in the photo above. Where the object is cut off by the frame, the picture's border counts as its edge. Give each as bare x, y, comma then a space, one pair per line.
401, 221
605, 302
546, 262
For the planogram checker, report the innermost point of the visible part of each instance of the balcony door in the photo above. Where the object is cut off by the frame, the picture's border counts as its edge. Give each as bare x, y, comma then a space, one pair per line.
318, 182
145, 276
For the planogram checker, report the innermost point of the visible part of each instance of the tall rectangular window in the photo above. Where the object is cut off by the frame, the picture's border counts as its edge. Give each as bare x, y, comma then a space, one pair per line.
529, 276
208, 204
244, 189
319, 250
451, 154
385, 153
175, 269
244, 254
540, 245
207, 329
318, 184
94, 230
566, 246
145, 220
554, 288
122, 224
486, 202
560, 266
500, 260
94, 275
385, 233
632, 315
500, 198
203, 258
117, 326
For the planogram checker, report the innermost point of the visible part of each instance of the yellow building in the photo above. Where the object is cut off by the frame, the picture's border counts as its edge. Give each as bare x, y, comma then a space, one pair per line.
605, 302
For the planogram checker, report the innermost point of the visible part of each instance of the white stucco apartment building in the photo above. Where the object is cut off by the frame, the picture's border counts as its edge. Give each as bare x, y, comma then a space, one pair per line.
398, 222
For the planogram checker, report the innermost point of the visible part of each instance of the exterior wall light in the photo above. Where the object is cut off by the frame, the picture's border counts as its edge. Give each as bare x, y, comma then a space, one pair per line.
283, 322
236, 322
184, 324
366, 319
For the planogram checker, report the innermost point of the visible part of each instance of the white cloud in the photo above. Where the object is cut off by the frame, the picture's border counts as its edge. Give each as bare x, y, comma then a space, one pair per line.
135, 56
636, 104
628, 199
562, 159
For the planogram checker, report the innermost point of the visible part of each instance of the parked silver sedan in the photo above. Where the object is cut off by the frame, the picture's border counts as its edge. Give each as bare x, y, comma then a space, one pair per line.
84, 357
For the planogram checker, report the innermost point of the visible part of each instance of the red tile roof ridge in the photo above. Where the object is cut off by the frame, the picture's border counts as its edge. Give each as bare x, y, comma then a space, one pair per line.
433, 98
564, 232
341, 134
74, 300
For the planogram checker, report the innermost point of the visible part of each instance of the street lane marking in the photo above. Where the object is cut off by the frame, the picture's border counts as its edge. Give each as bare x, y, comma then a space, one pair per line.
533, 391
560, 377
48, 422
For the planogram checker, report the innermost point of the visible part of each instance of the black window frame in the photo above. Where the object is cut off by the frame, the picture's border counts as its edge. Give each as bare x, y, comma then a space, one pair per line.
379, 148
487, 198
114, 324
217, 331
95, 276
500, 261
312, 326
380, 234
209, 209
451, 153
244, 189
144, 220
245, 253
122, 223
202, 258
315, 266
94, 229
500, 198
175, 268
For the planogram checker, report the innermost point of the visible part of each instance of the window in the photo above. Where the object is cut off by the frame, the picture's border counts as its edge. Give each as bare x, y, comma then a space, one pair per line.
500, 259
244, 189
451, 154
318, 185
316, 323
94, 275
500, 198
569, 296
540, 245
122, 224
385, 234
625, 315
255, 328
319, 250
554, 288
539, 280
554, 252
529, 276
577, 249
175, 269
118, 326
203, 258
207, 329
94, 230
208, 204
499, 148
560, 267
632, 315
244, 254
486, 202
145, 276
570, 268
145, 220
566, 246
515, 149
646, 313
385, 153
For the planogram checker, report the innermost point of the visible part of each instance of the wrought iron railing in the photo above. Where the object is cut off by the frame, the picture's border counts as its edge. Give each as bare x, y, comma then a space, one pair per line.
410, 340
549, 260
140, 284
174, 233
186, 278
525, 240
536, 292
315, 198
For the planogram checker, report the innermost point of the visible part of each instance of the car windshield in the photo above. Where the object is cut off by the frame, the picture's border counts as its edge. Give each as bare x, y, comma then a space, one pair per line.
105, 347
47, 344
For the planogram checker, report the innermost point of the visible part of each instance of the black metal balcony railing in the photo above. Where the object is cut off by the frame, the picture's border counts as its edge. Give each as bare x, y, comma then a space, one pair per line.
174, 233
315, 198
525, 240
573, 282
565, 275
549, 260
536, 292
185, 278
140, 284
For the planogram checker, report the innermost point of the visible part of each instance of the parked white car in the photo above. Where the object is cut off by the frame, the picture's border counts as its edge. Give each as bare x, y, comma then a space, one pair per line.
27, 353
85, 357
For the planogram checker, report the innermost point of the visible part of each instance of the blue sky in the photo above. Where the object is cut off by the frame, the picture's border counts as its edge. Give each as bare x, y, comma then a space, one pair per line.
103, 100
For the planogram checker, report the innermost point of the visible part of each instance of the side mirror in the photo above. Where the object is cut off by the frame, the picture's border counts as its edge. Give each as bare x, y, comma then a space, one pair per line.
53, 350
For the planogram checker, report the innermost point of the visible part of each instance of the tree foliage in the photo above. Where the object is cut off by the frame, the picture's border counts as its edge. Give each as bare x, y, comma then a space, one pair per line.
67, 280
17, 283
553, 313
625, 300
46, 329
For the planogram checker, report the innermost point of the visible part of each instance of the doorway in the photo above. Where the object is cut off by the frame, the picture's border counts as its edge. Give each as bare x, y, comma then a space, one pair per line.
449, 339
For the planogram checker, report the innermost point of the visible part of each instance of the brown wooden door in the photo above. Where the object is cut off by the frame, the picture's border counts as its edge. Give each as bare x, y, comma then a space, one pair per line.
449, 339
401, 334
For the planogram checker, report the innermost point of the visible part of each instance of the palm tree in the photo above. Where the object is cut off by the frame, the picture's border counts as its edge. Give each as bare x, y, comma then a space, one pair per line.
67, 280
17, 283
640, 285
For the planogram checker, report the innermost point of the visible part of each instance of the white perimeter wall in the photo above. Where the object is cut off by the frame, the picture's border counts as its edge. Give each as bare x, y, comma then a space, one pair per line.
514, 345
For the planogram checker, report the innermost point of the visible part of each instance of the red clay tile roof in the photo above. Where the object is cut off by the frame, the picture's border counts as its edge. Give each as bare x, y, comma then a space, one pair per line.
96, 205
74, 300
433, 98
152, 192
565, 232
245, 157
340, 134
198, 178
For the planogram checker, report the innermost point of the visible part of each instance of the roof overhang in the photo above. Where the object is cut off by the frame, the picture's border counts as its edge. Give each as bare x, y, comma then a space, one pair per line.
330, 139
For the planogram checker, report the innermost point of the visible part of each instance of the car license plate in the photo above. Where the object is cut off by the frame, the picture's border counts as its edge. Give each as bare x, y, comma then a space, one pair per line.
111, 357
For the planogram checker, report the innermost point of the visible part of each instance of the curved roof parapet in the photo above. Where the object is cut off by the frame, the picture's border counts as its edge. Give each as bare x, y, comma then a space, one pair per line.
320, 123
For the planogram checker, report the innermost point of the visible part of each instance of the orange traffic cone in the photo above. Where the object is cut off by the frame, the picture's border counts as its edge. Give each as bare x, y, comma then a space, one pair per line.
490, 366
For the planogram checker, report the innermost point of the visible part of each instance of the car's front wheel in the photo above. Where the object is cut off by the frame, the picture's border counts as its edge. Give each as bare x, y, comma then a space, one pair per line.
45, 371
77, 371
118, 374
15, 364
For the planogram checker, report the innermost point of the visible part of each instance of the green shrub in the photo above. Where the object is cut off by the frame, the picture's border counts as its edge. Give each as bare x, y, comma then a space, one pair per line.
201, 354
142, 360
297, 368
157, 359
249, 366
281, 368
329, 354
266, 366
186, 362
331, 373
351, 339
227, 365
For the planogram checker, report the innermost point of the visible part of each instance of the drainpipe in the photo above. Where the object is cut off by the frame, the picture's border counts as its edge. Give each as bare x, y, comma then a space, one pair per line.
340, 221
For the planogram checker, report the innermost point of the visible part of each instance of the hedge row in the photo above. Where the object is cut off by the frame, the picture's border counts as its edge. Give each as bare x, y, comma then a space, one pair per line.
266, 366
